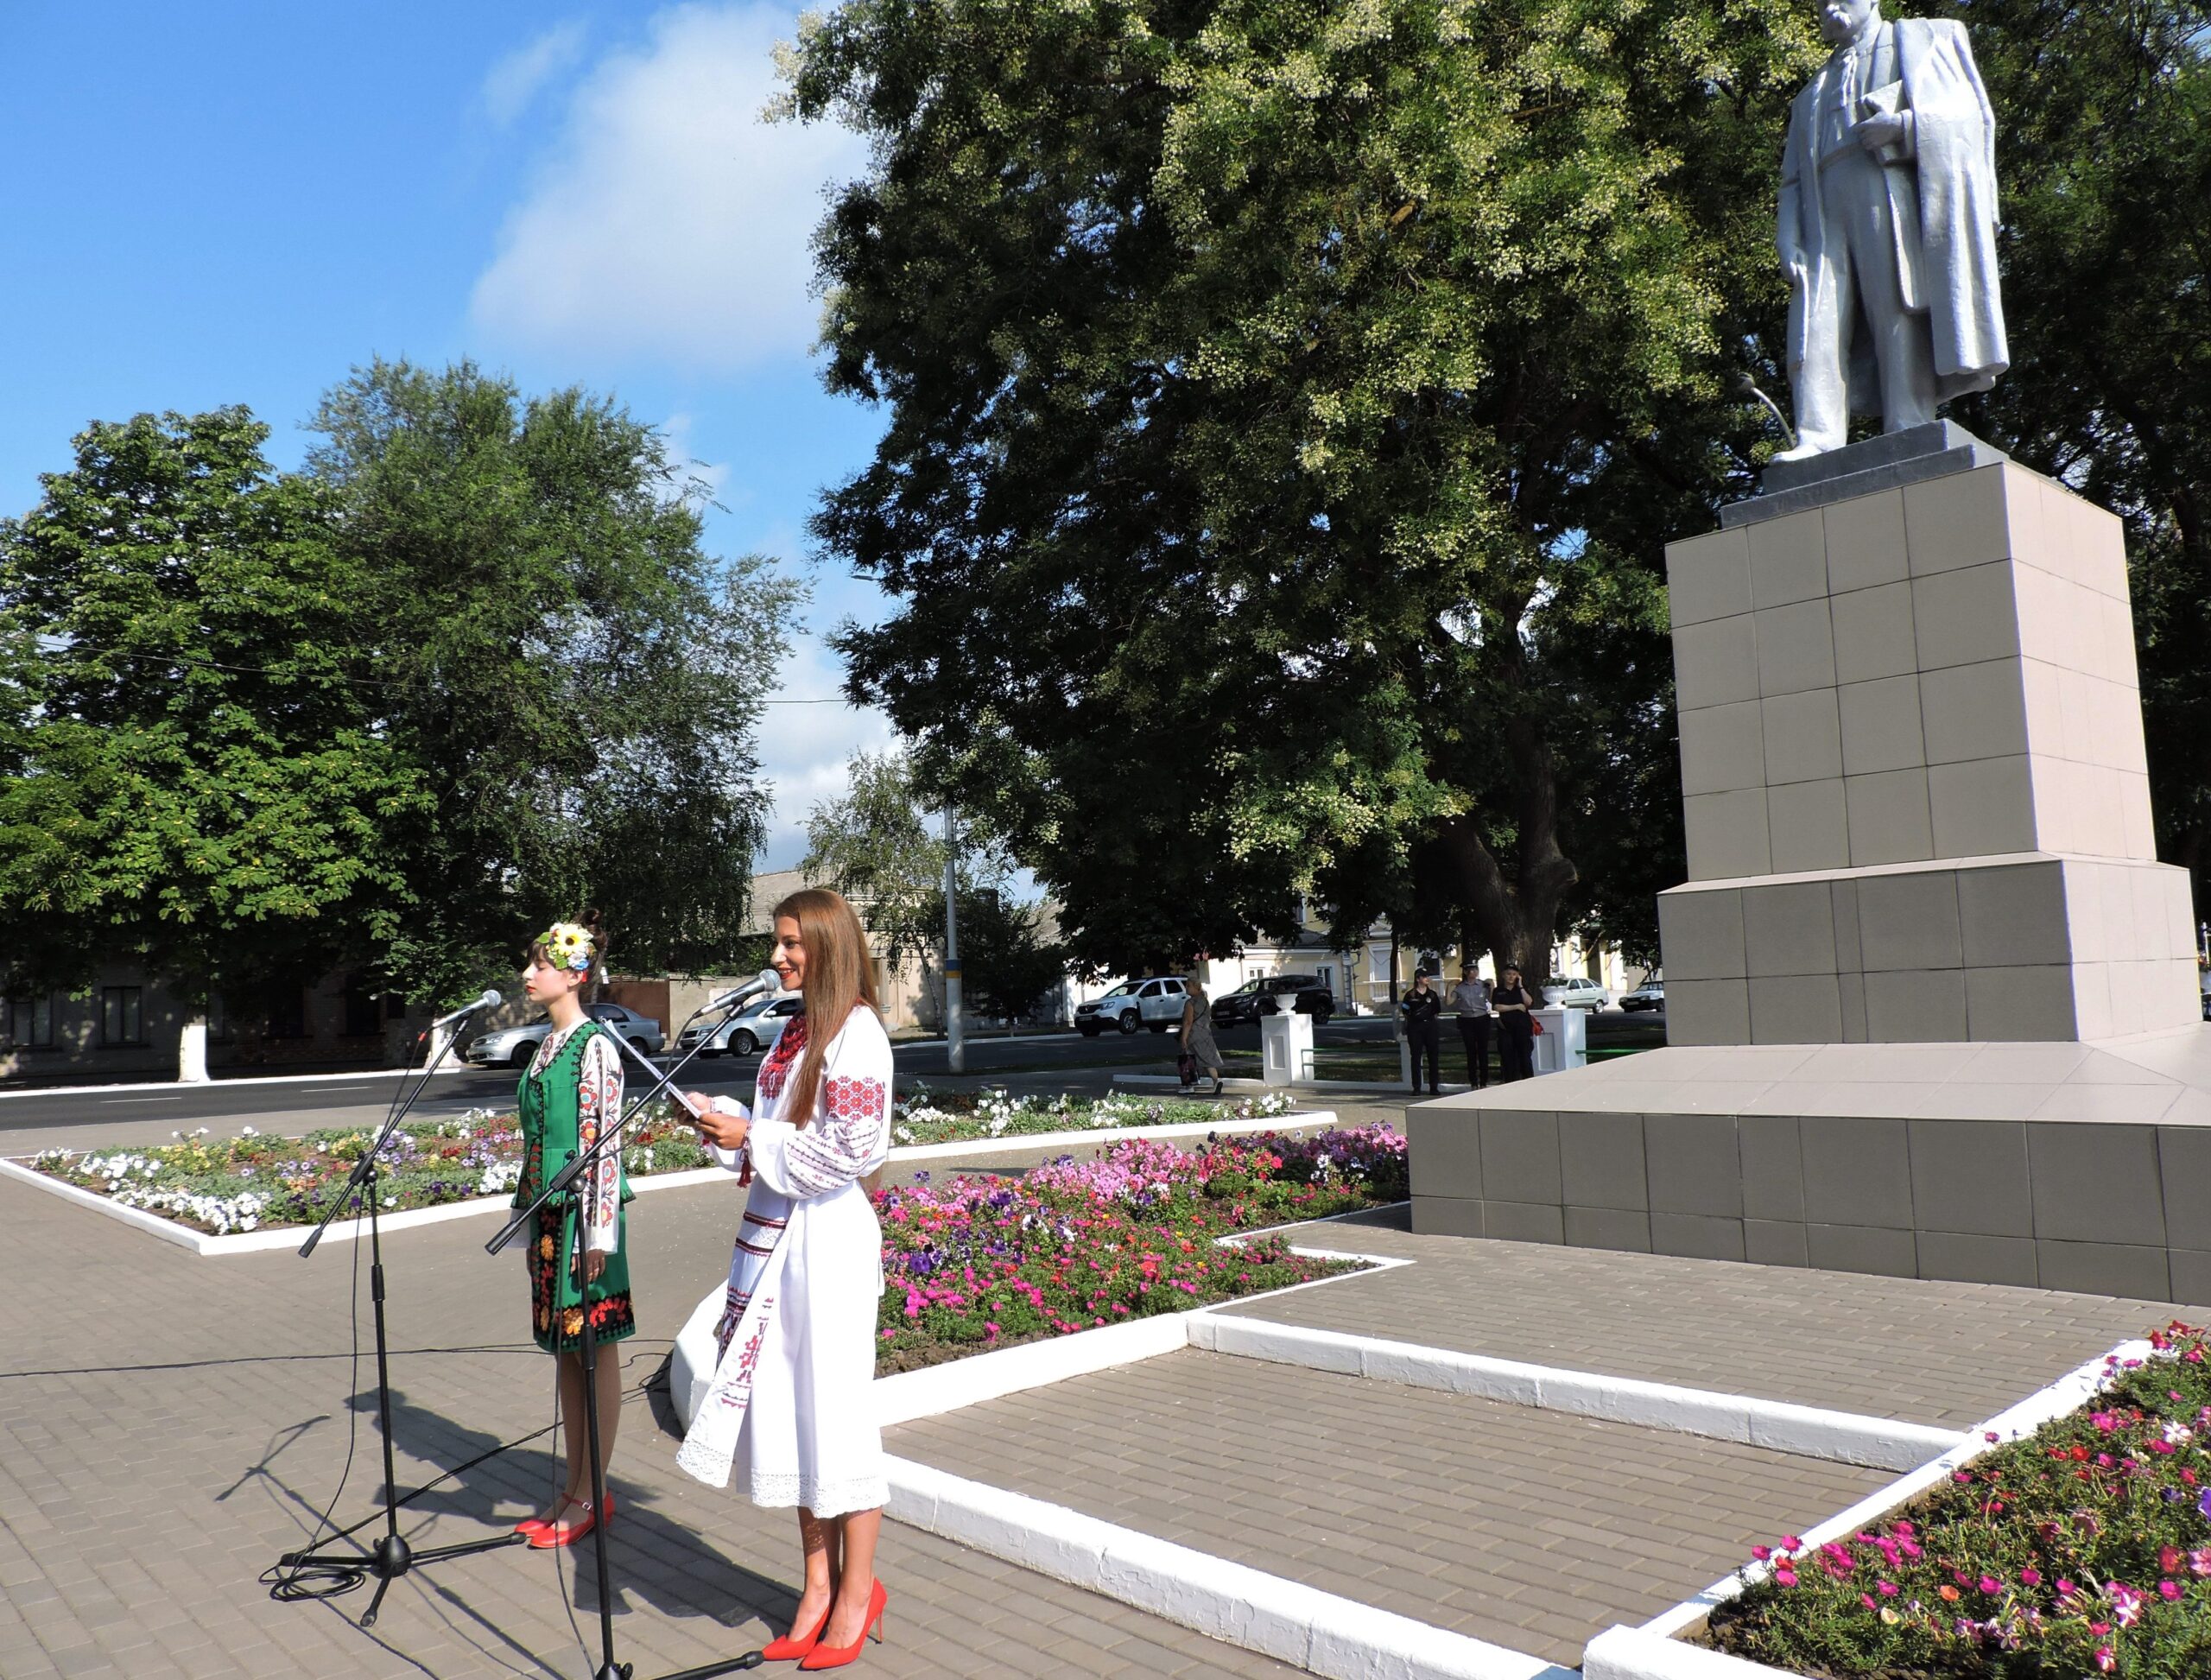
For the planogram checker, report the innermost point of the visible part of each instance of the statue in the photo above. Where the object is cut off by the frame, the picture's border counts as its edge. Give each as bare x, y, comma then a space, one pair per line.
1888, 227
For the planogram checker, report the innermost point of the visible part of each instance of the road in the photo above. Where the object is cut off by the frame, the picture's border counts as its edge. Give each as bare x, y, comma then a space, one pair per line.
80, 1116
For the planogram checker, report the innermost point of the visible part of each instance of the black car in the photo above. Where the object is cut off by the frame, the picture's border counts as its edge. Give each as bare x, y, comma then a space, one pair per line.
1303, 994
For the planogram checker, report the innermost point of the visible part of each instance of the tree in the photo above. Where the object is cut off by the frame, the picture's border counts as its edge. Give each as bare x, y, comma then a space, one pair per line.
197, 765
1287, 411
579, 681
1007, 963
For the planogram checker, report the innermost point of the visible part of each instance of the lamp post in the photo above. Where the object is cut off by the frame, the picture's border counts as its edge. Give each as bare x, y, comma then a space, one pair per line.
955, 1047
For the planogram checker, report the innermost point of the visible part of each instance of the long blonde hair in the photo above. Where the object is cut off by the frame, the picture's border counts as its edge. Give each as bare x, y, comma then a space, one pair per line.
839, 977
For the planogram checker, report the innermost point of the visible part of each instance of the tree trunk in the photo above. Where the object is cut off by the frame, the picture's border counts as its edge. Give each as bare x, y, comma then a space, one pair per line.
192, 1049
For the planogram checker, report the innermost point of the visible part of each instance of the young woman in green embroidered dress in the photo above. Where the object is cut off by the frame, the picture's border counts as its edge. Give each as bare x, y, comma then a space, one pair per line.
573, 1087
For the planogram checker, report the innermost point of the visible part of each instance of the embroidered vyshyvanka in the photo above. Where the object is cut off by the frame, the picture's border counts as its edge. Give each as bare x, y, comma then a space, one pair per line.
789, 1406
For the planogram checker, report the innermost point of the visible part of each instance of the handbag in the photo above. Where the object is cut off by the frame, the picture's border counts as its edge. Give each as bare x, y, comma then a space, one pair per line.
1535, 1025
1187, 1066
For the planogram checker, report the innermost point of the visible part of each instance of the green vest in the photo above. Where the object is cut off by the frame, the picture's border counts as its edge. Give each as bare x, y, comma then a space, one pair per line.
548, 1104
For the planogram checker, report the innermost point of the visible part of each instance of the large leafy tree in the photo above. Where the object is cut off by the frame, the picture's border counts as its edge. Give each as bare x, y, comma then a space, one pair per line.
194, 764
1287, 405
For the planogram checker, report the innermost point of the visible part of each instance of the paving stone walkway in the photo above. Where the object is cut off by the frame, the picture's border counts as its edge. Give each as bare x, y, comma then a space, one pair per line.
1907, 1348
1533, 1530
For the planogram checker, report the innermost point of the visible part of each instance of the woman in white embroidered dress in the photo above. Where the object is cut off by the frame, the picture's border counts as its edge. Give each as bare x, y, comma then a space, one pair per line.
790, 1405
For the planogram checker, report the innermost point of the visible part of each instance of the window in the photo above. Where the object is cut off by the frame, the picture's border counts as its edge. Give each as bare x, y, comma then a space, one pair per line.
30, 1021
363, 1012
287, 1014
123, 1015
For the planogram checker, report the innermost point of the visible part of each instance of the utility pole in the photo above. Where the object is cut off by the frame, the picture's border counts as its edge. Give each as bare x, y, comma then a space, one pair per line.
955, 1046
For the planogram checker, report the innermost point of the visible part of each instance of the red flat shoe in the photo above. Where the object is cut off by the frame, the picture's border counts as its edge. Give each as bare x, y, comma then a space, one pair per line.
567, 1534
790, 1650
823, 1656
529, 1526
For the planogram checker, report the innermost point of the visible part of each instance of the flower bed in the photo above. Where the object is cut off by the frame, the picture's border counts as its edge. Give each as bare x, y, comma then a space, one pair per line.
979, 1261
2083, 1548
252, 1182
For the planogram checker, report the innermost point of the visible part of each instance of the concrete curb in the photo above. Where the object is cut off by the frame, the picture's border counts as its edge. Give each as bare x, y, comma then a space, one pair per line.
1809, 1431
1653, 1651
184, 1087
1286, 1619
290, 1236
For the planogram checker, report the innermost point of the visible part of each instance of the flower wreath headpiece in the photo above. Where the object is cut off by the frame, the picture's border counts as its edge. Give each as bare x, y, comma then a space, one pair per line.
571, 944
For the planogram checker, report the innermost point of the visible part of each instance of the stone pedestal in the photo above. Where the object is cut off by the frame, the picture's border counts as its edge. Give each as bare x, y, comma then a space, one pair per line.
1917, 813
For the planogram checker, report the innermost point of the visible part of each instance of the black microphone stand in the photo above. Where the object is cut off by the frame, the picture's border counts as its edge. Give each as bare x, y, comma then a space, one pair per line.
392, 1558
587, 1346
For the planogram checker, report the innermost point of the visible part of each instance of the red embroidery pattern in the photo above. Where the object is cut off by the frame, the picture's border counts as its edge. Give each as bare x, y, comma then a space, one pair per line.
776, 1070
854, 1099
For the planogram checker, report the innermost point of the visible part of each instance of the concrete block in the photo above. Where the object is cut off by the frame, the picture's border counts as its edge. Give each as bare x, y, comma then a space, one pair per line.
2030, 1004
1801, 1009
1873, 634
1443, 1152
1922, 1006
1696, 1236
1618, 1228
1880, 725
1519, 1155
1849, 944
2048, 715
2121, 662
1981, 809
1725, 835
2100, 547
1803, 737
2012, 916
1796, 647
2095, 1268
2138, 838
1873, 1251
2184, 1175
1910, 921
1700, 933
1522, 1221
1851, 988
1715, 664
2191, 1277
1693, 1164
2026, 520
1963, 1258
1788, 559
1964, 617
1708, 1012
1447, 1216
1970, 1177
1890, 819
2059, 621
1857, 1172
1788, 929
2096, 1184
1774, 1243
1773, 1167
1957, 521
1866, 541
2092, 1002
1600, 1162
2153, 924
1722, 749
1807, 827
1709, 576
1974, 712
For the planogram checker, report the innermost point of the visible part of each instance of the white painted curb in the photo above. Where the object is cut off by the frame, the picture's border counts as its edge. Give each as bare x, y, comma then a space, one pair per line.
182, 1086
1285, 1619
1809, 1431
343, 1230
1653, 1651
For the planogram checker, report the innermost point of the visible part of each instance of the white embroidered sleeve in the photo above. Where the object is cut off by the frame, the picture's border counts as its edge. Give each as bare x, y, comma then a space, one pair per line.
851, 1131
598, 1103
729, 1160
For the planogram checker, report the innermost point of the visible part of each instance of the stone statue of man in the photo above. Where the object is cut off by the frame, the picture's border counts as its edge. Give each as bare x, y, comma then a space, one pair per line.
1888, 227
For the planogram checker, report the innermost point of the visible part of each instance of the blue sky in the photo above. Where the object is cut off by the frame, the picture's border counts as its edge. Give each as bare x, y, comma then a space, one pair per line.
237, 202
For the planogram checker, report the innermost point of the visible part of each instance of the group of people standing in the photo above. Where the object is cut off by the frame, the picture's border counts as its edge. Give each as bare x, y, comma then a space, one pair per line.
1508, 1008
788, 1407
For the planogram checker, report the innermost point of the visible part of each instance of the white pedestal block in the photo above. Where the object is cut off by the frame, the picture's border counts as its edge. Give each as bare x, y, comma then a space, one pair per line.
1286, 1048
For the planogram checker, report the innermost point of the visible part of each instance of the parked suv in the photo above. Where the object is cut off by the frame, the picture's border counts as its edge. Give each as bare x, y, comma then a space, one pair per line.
513, 1046
1157, 1003
1303, 994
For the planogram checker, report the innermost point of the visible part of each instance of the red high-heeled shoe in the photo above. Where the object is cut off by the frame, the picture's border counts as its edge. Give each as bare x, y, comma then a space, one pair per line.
790, 1650
547, 1536
826, 1656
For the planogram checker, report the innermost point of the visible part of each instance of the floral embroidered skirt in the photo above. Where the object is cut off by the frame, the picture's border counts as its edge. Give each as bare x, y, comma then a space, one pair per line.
556, 1302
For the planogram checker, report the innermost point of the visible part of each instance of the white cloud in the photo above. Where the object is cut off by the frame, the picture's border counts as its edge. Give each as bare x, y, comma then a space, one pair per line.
518, 78
804, 749
714, 475
671, 221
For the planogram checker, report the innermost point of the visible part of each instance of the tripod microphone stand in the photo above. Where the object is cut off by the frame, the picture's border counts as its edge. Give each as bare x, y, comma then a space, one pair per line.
392, 1556
587, 1344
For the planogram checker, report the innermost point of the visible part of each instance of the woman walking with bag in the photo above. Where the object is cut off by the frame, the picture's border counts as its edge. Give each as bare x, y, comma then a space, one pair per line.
789, 1408
1199, 1049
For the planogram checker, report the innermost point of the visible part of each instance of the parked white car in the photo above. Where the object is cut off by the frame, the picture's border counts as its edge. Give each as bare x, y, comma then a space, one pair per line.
1157, 1003
1576, 992
749, 1032
513, 1046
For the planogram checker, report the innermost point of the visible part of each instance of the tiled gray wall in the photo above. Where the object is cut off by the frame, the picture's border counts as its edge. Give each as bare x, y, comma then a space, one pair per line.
2103, 1208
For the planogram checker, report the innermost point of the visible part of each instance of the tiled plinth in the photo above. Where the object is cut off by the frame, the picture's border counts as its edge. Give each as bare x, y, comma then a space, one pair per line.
2058, 1165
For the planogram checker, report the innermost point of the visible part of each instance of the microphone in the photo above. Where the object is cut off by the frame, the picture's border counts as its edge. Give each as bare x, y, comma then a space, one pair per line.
766, 980
487, 999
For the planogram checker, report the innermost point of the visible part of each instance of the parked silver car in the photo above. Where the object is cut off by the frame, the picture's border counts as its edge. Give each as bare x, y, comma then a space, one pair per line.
752, 1029
1576, 992
513, 1046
